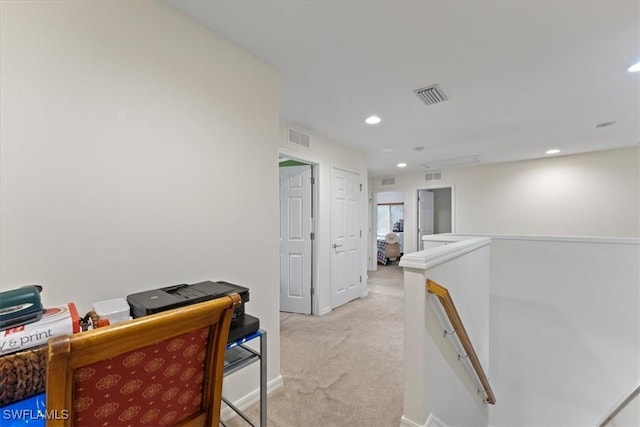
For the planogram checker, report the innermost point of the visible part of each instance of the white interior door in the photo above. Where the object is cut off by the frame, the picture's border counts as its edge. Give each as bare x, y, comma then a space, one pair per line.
425, 214
295, 239
346, 237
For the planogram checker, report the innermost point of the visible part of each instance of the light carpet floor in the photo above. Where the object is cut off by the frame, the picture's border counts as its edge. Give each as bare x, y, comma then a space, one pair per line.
344, 368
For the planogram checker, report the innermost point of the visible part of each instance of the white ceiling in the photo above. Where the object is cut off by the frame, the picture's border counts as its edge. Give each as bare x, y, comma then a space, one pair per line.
521, 76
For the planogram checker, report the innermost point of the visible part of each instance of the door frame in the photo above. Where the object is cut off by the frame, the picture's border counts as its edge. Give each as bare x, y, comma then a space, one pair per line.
372, 264
417, 207
314, 224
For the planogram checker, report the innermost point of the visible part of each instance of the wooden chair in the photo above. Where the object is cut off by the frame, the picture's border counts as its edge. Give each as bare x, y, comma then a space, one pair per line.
162, 369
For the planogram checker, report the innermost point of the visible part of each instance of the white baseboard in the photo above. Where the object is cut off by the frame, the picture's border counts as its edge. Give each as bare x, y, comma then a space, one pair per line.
250, 399
325, 311
406, 422
432, 421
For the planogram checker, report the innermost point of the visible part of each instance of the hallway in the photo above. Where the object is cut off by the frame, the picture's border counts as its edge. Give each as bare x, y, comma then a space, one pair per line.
344, 368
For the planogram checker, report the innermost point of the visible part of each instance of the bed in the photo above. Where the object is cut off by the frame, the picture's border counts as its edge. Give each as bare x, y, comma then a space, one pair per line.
382, 259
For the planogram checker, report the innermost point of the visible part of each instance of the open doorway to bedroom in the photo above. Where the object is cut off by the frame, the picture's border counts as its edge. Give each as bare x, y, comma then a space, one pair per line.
435, 212
389, 226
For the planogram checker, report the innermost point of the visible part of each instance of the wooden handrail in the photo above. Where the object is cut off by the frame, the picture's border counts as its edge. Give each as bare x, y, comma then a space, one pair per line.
450, 309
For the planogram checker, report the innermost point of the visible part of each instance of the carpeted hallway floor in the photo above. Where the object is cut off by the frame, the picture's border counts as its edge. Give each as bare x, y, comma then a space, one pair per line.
344, 368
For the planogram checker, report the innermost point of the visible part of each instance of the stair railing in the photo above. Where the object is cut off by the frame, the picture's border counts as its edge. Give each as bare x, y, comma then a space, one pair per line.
460, 333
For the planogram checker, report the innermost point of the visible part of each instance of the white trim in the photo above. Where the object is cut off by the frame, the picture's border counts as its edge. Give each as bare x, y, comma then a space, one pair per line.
433, 421
372, 250
250, 399
295, 155
325, 310
621, 404
452, 247
453, 203
564, 239
405, 422
373, 239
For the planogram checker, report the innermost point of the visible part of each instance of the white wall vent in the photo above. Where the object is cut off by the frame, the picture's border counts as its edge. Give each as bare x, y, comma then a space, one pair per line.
431, 94
432, 176
299, 138
388, 181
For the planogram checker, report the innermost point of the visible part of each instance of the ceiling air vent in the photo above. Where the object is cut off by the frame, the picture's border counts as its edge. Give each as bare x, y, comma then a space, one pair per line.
432, 176
298, 138
388, 181
431, 94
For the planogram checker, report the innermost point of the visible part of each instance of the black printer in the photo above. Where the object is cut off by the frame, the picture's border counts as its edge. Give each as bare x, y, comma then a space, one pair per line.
170, 297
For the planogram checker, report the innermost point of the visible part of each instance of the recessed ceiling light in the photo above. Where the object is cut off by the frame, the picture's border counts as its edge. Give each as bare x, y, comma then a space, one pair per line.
605, 124
402, 165
634, 68
553, 151
373, 120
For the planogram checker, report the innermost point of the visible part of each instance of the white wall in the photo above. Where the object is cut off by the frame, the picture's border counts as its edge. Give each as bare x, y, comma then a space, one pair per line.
327, 154
390, 197
435, 382
594, 194
628, 416
139, 150
442, 210
626, 411
565, 328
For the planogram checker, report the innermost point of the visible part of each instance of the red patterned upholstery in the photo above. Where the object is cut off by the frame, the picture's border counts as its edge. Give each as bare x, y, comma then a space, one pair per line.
157, 370
160, 384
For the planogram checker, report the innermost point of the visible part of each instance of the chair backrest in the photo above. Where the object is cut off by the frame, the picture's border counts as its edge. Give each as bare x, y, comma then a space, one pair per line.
391, 238
391, 250
161, 369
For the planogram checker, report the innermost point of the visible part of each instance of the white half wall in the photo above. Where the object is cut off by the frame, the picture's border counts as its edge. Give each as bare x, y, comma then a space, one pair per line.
327, 154
593, 194
139, 150
565, 328
436, 383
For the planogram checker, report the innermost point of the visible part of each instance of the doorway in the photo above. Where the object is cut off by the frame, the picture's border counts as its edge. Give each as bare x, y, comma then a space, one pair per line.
387, 216
296, 235
435, 212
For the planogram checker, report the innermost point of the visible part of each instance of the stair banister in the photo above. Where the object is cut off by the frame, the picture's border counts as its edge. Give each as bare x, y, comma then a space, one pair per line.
459, 332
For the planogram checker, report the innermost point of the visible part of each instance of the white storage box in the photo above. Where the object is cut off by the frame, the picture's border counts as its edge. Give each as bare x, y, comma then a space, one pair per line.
114, 310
